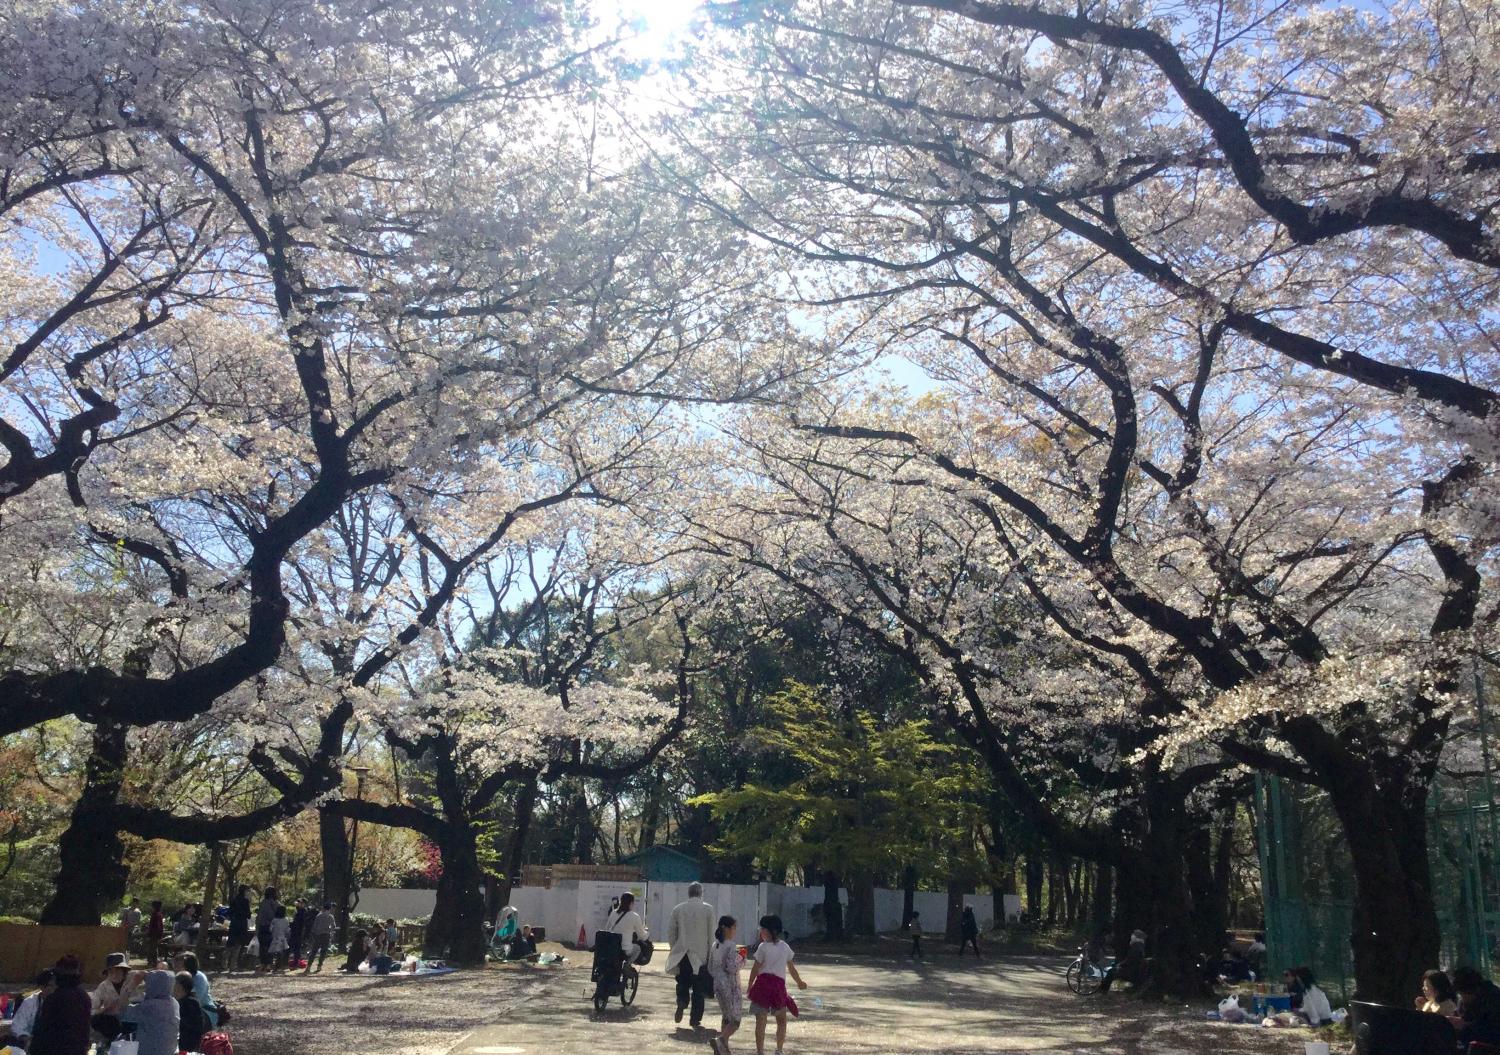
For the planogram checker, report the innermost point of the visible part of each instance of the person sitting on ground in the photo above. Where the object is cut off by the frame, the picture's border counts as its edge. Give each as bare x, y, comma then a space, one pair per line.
630, 927
62, 1020
1478, 1018
23, 1025
155, 1018
112, 994
1132, 968
192, 1023
1438, 997
1294, 988
359, 948
1315, 1006
188, 961
523, 946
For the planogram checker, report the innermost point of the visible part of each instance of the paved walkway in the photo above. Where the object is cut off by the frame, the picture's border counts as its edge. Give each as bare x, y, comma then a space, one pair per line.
863, 1007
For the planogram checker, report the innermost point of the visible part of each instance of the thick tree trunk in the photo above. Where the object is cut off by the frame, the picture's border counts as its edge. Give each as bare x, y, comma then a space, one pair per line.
333, 839
1224, 865
833, 913
1103, 906
91, 876
456, 930
1035, 873
1208, 917
515, 853
953, 924
1170, 937
862, 903
583, 828
1395, 934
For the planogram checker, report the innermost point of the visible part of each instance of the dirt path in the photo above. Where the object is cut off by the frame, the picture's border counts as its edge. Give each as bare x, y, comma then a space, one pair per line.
858, 1007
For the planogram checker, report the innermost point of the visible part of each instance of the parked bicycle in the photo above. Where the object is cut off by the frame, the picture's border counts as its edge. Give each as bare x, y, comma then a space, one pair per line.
1085, 977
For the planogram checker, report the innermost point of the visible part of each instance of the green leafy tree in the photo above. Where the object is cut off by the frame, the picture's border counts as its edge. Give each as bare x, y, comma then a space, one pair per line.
864, 798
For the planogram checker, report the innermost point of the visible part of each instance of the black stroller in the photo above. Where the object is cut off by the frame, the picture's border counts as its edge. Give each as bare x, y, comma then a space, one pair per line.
611, 975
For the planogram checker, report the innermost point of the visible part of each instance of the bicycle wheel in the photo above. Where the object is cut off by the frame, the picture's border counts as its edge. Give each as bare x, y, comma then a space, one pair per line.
1076, 976
628, 986
1090, 980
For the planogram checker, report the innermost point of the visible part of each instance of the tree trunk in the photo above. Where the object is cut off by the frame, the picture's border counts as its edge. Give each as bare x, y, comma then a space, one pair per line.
953, 924
456, 931
1170, 943
862, 903
908, 892
210, 891
833, 913
650, 814
1208, 925
515, 854
1395, 933
333, 839
1035, 872
1103, 906
1052, 895
583, 828
91, 874
1224, 865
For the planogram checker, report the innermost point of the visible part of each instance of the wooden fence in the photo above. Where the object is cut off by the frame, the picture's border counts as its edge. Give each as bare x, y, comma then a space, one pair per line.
25, 949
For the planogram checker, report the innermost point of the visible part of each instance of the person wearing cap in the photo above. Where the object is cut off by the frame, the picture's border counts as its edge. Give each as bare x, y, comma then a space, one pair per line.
23, 1025
112, 994
62, 1022
156, 1017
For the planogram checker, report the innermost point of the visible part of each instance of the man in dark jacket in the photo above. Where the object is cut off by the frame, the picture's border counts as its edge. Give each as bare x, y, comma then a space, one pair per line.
62, 1023
1478, 1017
239, 928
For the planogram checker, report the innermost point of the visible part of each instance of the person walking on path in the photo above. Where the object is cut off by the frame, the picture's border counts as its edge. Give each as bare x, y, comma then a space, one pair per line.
768, 995
724, 963
62, 1022
264, 917
968, 929
239, 928
691, 936
323, 925
914, 928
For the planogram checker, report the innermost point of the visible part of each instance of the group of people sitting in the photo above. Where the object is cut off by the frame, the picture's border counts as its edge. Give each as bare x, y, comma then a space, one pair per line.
1468, 999
380, 947
174, 1012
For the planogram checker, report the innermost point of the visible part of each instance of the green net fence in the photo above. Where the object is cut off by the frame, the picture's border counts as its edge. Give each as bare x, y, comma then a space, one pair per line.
1307, 880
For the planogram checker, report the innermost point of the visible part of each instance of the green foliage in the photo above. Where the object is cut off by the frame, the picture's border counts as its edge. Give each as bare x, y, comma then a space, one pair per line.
862, 797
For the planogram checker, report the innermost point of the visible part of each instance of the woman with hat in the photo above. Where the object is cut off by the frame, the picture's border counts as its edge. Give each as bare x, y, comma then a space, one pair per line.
62, 1022
113, 994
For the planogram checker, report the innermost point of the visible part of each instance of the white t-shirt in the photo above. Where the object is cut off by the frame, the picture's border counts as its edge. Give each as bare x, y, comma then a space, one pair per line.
1315, 1005
25, 1020
773, 956
629, 926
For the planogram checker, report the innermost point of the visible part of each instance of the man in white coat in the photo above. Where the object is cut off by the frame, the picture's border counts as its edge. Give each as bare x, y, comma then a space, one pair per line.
691, 935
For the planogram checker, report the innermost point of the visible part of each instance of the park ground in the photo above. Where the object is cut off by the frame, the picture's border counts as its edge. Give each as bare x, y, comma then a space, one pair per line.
856, 1005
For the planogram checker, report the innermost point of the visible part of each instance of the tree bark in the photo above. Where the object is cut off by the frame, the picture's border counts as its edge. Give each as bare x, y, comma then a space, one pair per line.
1103, 906
953, 923
908, 892
833, 912
456, 930
1395, 935
1035, 873
1170, 938
515, 854
333, 839
862, 903
91, 873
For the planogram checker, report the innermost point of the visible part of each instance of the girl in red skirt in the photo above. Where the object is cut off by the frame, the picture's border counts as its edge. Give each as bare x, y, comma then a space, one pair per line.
768, 995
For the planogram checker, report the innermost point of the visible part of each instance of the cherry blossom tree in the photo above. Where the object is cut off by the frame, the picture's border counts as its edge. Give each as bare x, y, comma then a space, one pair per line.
1213, 362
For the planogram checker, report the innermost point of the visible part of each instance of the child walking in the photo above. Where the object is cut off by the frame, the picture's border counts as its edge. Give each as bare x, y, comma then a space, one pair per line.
768, 995
724, 968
